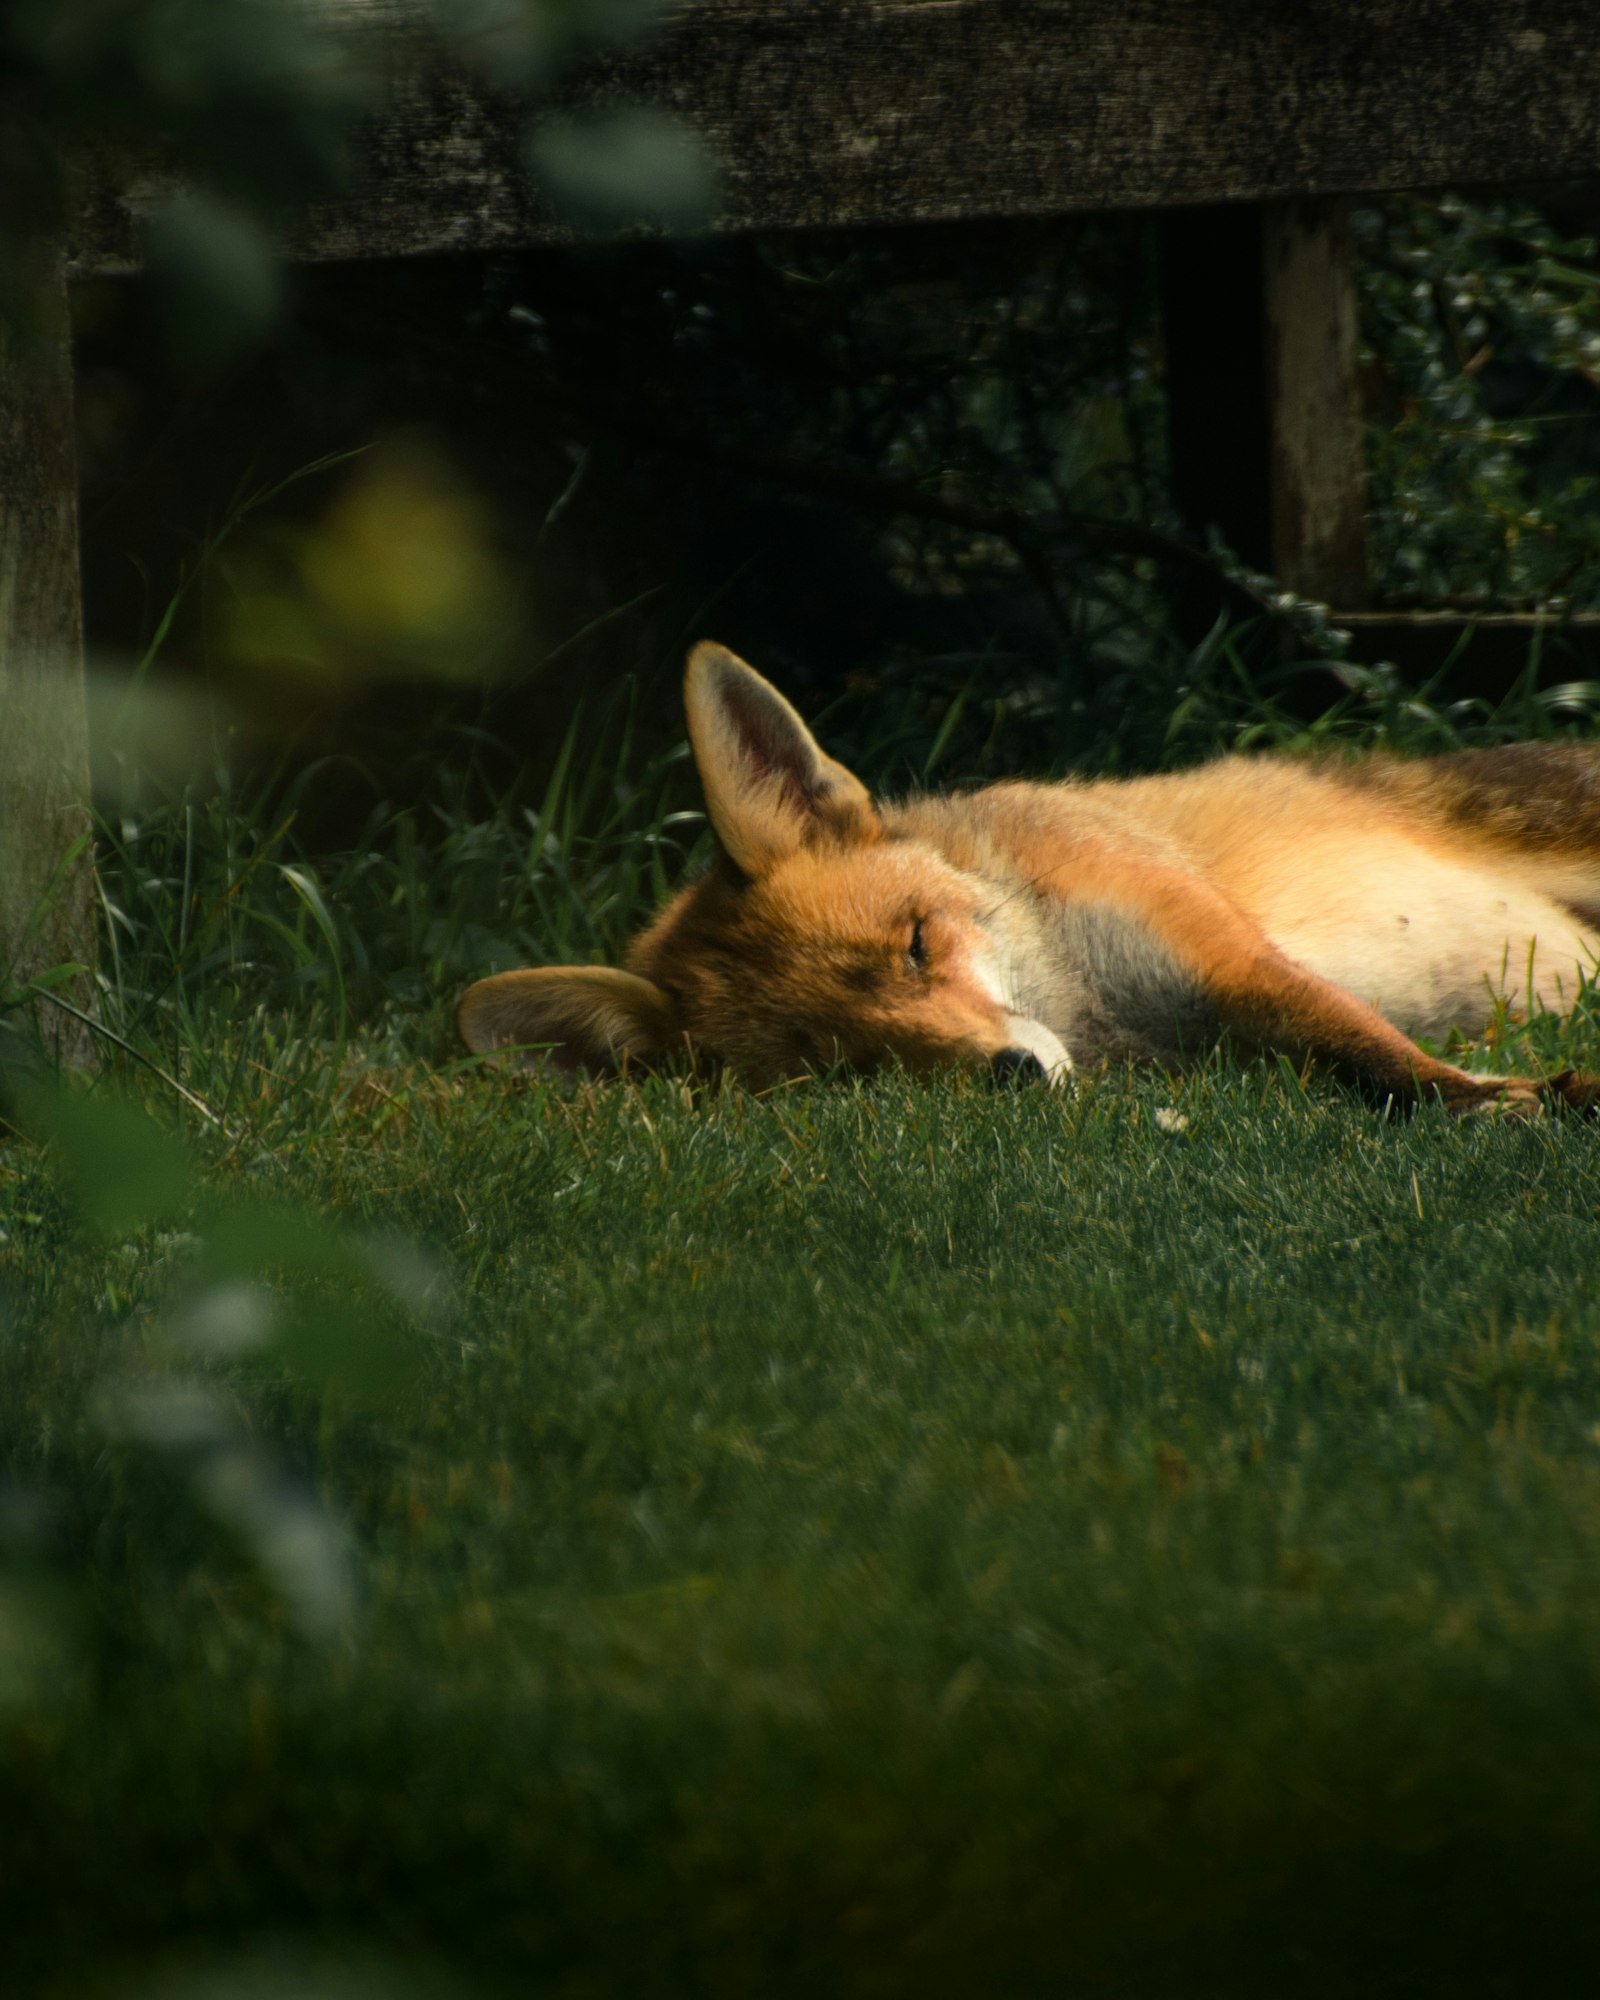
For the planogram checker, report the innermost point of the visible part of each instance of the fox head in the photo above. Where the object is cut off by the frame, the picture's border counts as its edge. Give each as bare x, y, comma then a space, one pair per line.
819, 934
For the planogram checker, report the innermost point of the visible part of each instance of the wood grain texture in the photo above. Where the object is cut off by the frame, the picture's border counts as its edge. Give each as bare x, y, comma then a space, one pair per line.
1317, 456
46, 915
830, 112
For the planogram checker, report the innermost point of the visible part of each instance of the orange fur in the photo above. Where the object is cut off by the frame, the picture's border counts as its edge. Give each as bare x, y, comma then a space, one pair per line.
1332, 912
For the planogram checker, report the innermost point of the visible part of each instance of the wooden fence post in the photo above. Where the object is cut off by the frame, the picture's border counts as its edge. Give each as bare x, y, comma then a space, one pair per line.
1259, 300
1318, 460
46, 899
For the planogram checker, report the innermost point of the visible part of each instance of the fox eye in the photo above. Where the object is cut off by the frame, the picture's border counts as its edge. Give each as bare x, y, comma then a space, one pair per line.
917, 950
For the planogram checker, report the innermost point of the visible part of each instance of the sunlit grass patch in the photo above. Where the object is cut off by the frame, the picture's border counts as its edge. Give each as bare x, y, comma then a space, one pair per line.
862, 1536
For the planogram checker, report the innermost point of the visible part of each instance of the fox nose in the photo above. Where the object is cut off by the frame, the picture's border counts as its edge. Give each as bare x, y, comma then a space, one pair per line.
1013, 1066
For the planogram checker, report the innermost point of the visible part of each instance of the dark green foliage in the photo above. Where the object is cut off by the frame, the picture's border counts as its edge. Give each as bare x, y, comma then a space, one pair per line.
878, 450
925, 471
1483, 324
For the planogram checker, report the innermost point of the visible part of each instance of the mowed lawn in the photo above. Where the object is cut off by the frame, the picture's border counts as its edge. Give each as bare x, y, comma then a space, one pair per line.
870, 1539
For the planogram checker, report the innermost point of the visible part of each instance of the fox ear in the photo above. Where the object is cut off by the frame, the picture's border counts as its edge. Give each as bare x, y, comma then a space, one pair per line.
770, 788
580, 1016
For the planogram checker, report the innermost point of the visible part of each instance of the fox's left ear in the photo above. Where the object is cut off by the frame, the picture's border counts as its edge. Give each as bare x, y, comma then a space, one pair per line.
577, 1016
770, 787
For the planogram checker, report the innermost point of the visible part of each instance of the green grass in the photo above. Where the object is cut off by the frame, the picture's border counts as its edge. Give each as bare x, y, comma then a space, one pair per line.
656, 1539
871, 1539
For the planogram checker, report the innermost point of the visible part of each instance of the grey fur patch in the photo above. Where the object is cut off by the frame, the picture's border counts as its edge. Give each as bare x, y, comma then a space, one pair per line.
1118, 994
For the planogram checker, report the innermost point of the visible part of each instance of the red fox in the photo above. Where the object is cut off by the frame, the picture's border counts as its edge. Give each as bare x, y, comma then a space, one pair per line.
1329, 911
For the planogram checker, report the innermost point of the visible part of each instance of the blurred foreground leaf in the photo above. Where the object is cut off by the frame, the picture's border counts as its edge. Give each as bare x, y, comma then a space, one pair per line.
283, 1971
624, 169
300, 1547
335, 1310
216, 276
122, 1170
39, 1611
400, 577
36, 1636
317, 1300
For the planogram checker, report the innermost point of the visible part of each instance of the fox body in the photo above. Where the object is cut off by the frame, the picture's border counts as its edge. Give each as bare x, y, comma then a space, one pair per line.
1327, 911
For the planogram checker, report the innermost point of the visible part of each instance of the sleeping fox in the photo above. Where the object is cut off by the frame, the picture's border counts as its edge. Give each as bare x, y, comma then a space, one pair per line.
1333, 912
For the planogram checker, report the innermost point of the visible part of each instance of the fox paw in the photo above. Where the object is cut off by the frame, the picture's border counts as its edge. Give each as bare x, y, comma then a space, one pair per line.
1522, 1103
1528, 1097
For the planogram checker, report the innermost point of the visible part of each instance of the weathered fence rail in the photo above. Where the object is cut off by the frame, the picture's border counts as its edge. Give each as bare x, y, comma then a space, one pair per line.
880, 112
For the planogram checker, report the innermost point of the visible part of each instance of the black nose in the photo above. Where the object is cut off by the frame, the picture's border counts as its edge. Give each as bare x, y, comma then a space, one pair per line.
1017, 1066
